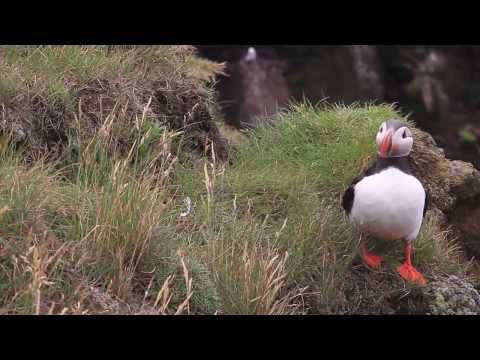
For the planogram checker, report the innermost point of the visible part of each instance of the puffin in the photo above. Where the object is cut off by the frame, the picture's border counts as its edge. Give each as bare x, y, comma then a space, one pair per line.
387, 201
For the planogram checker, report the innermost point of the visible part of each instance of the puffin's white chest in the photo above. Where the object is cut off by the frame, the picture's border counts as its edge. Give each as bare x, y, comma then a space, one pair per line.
389, 205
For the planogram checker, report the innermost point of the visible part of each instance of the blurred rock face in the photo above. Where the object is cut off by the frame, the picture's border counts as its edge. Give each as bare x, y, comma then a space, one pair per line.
368, 72
261, 82
257, 88
344, 74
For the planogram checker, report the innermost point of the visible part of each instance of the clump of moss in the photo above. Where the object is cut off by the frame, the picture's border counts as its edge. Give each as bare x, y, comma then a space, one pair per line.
467, 136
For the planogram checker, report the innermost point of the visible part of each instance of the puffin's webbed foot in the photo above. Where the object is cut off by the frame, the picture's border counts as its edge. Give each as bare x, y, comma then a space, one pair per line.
407, 271
370, 259
410, 274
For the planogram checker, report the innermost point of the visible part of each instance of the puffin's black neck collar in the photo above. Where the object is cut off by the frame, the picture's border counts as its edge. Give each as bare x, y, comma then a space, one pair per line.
401, 163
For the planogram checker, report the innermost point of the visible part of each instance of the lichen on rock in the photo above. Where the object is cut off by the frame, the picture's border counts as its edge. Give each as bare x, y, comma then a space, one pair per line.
452, 295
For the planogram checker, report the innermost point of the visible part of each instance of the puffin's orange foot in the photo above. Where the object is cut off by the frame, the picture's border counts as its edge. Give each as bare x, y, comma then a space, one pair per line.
372, 260
410, 274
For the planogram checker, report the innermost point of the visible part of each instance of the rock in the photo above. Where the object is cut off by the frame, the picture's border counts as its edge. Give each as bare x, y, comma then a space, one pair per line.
453, 187
448, 182
465, 220
452, 296
465, 180
104, 303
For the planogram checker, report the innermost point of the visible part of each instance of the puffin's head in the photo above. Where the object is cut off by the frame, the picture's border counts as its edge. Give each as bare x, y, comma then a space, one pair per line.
394, 139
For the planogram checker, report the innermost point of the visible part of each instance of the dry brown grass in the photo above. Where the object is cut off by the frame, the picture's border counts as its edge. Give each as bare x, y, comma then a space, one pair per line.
76, 240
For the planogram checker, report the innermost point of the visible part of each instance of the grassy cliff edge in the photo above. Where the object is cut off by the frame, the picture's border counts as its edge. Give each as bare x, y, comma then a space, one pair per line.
110, 214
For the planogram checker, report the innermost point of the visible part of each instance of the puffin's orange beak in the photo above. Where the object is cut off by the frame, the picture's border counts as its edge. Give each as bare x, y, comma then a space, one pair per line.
386, 143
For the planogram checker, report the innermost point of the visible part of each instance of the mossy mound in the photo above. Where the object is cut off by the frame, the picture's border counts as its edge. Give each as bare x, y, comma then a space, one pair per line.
54, 97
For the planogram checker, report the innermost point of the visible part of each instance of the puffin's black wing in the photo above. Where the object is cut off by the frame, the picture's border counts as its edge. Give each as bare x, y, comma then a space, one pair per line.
347, 200
348, 196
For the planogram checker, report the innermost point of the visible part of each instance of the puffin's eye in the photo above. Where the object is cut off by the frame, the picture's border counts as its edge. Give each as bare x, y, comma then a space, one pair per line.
404, 134
381, 129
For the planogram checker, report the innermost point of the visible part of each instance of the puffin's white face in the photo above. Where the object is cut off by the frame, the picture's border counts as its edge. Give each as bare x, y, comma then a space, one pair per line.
394, 139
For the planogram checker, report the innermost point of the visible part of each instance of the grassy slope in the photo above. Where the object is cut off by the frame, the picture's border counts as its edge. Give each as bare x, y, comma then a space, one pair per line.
261, 230
282, 196
101, 231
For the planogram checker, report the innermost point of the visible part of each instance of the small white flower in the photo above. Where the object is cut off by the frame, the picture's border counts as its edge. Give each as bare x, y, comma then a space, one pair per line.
187, 202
